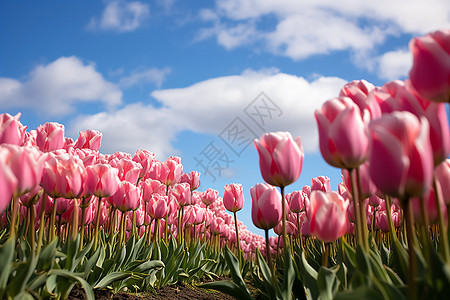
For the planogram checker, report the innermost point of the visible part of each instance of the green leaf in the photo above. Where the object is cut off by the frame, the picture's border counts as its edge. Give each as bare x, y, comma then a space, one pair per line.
265, 270
87, 288
309, 277
6, 256
148, 265
110, 278
363, 262
328, 282
227, 287
89, 265
47, 256
289, 275
363, 292
22, 274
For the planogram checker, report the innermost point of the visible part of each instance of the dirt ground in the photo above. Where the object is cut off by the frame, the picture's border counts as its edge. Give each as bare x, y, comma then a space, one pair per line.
178, 291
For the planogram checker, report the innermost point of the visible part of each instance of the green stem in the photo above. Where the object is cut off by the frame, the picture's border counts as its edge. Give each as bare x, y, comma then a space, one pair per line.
41, 223
53, 220
362, 211
409, 219
97, 222
357, 211
326, 250
75, 214
83, 226
442, 228
269, 258
237, 237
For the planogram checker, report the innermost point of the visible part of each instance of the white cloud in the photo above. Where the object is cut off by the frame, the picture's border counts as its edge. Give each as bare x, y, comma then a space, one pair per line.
300, 29
121, 16
56, 87
394, 64
137, 77
209, 106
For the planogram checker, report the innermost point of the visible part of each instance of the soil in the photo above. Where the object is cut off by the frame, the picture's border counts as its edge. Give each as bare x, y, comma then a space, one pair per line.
177, 291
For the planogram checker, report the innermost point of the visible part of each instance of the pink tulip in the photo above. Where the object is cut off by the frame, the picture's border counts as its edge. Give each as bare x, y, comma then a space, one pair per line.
71, 178
321, 183
280, 158
442, 173
158, 206
307, 190
405, 98
145, 159
91, 139
266, 206
50, 136
8, 181
233, 197
430, 74
172, 171
341, 147
296, 201
128, 170
181, 193
400, 142
26, 163
193, 178
11, 130
358, 91
150, 187
102, 180
328, 216
126, 197
29, 199
209, 196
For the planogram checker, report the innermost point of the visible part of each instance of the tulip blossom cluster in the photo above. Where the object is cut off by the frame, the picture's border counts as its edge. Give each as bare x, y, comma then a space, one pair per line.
62, 179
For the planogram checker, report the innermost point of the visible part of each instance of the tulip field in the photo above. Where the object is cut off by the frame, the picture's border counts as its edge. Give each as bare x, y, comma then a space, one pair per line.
72, 217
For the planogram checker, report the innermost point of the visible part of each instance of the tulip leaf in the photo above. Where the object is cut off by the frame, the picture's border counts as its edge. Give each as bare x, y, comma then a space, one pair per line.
72, 276
23, 272
111, 278
6, 256
47, 256
328, 282
227, 287
148, 265
363, 292
309, 278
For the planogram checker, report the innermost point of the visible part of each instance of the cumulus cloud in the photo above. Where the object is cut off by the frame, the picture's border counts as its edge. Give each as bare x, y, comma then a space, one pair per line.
394, 64
209, 106
56, 87
121, 16
143, 76
304, 28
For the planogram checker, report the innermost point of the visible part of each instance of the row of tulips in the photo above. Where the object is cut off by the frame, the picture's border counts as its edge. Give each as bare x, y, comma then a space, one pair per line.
392, 144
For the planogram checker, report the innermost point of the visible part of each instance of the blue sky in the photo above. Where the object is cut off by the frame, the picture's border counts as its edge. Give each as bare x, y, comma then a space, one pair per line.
180, 77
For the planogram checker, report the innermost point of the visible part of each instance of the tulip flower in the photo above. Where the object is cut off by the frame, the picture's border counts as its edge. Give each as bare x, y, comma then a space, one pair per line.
358, 91
341, 147
50, 136
126, 197
158, 206
296, 201
233, 197
11, 130
321, 183
8, 181
145, 159
128, 170
401, 141
91, 139
150, 187
192, 178
430, 72
102, 180
328, 215
442, 172
266, 206
209, 196
280, 158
